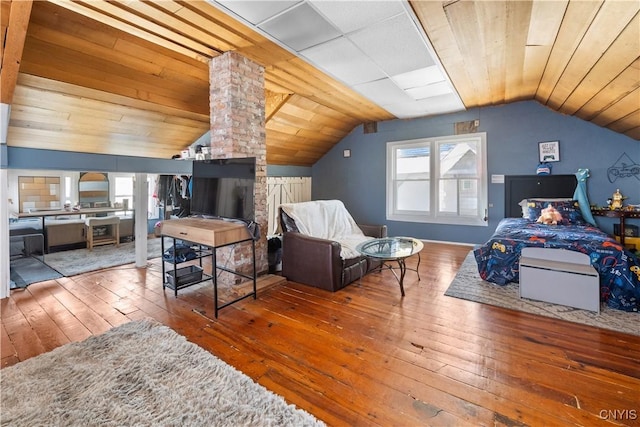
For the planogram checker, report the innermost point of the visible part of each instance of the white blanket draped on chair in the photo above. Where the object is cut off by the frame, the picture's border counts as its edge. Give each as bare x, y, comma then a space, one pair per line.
327, 219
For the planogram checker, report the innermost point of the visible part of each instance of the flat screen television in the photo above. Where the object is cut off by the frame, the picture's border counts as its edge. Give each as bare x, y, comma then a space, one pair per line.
224, 188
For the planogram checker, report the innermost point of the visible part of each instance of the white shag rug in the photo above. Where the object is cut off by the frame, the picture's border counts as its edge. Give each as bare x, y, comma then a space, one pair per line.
468, 285
70, 263
142, 374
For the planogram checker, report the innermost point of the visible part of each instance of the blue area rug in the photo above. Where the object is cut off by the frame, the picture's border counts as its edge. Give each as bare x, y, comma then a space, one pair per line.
71, 263
28, 270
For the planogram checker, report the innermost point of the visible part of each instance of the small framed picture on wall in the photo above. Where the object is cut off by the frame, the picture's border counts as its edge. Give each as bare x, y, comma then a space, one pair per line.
549, 151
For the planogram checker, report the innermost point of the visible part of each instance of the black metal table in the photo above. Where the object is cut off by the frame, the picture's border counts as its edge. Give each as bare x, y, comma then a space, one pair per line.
393, 249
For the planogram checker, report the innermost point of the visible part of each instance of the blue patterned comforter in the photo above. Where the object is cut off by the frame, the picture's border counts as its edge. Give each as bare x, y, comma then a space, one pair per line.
498, 259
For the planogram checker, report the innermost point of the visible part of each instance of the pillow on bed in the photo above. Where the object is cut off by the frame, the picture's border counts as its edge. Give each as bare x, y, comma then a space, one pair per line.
569, 209
524, 203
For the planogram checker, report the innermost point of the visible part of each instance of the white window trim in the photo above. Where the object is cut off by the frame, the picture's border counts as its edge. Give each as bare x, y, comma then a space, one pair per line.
432, 216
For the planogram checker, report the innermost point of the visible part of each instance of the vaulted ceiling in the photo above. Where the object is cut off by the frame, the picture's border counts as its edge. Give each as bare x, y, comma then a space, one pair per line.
131, 77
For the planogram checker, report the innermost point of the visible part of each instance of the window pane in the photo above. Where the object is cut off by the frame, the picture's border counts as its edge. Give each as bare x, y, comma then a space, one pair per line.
448, 195
124, 191
67, 189
455, 175
418, 151
458, 160
468, 197
412, 163
124, 186
412, 195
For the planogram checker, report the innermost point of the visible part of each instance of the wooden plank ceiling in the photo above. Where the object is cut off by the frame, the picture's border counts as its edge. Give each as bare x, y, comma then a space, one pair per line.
580, 58
131, 77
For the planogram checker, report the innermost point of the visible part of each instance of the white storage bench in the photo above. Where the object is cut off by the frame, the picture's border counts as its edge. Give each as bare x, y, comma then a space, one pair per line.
559, 276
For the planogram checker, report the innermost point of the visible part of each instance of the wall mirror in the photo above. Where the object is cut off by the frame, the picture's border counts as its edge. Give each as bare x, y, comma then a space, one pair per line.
93, 190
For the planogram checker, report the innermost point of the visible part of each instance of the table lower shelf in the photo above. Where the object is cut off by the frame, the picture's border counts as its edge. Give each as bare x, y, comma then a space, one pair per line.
179, 278
185, 277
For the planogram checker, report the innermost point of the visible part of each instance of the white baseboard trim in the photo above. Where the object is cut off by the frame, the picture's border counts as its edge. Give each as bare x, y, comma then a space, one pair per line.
447, 243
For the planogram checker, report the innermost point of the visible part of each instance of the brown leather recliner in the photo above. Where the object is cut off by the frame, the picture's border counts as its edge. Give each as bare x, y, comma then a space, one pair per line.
317, 262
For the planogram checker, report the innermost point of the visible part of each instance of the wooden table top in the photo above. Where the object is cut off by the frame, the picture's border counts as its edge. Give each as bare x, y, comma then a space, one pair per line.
84, 211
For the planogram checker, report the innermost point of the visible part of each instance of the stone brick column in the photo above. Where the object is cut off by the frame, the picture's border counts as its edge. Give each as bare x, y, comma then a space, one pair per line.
237, 99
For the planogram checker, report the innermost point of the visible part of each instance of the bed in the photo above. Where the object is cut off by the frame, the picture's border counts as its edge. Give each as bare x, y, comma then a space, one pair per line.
498, 259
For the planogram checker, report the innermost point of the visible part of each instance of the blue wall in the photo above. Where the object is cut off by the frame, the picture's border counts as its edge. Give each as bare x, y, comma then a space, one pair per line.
513, 132
29, 158
288, 171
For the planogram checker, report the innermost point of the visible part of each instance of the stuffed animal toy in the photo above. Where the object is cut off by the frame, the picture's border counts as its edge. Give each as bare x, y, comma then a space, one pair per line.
550, 215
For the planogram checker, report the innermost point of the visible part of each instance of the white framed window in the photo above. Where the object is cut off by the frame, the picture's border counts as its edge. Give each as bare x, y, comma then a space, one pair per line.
123, 193
438, 180
67, 190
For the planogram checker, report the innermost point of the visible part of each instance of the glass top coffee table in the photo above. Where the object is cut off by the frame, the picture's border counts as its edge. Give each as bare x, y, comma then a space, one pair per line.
393, 249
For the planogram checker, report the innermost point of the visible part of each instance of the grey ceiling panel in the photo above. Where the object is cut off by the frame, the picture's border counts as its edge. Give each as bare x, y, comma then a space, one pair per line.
418, 78
344, 61
436, 105
395, 45
300, 28
383, 91
427, 91
349, 16
375, 47
257, 11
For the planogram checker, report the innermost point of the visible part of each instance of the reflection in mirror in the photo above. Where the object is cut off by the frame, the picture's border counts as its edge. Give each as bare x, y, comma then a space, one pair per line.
38, 193
93, 190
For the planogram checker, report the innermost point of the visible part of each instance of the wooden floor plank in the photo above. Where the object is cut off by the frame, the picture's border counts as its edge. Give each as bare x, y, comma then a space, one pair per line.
310, 357
363, 355
66, 325
7, 350
386, 366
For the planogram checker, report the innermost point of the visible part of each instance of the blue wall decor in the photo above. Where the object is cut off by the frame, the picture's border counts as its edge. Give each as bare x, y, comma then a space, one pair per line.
624, 167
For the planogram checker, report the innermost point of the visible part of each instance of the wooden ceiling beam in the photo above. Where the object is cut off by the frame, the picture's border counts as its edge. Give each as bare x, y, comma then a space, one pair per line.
273, 103
99, 15
120, 12
161, 13
13, 47
189, 11
219, 23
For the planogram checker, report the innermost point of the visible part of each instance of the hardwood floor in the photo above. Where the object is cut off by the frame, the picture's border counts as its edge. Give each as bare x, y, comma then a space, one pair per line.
364, 355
